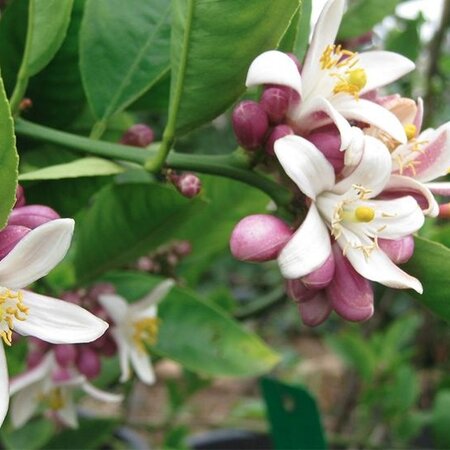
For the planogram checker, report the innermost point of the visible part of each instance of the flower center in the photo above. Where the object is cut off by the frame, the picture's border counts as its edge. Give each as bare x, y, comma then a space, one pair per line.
145, 332
11, 307
54, 399
364, 214
410, 130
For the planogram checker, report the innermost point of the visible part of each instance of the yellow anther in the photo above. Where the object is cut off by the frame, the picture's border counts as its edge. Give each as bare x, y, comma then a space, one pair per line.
357, 77
410, 130
145, 332
55, 399
364, 214
352, 83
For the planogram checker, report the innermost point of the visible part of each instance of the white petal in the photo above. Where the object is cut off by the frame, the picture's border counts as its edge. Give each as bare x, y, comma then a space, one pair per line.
324, 34
305, 165
373, 170
33, 376
23, 406
308, 248
98, 394
142, 365
4, 385
58, 322
36, 254
378, 267
383, 68
371, 113
68, 414
274, 67
317, 112
115, 306
123, 351
440, 188
400, 185
146, 306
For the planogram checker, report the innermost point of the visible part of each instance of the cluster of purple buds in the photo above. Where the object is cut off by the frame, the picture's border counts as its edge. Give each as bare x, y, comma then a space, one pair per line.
260, 124
85, 358
187, 184
22, 220
164, 259
139, 135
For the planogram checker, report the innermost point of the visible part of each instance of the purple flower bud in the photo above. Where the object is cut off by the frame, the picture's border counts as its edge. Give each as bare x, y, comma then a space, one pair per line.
65, 354
277, 133
299, 292
105, 345
351, 295
32, 216
101, 289
259, 237
10, 237
321, 277
20, 197
182, 248
88, 362
61, 374
328, 141
139, 135
315, 311
275, 102
71, 297
250, 124
34, 358
187, 184
399, 250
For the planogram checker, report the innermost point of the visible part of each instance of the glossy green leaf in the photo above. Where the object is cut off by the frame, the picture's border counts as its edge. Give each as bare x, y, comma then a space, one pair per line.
8, 159
84, 167
213, 44
124, 51
431, 265
48, 21
198, 335
363, 15
32, 436
126, 221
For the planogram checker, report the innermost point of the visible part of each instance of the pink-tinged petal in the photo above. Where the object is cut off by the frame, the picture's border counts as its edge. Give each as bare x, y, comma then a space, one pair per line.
399, 186
298, 292
147, 306
368, 112
433, 159
274, 67
142, 366
98, 394
315, 311
318, 112
350, 294
308, 249
321, 277
405, 109
259, 237
378, 267
4, 385
439, 188
324, 34
115, 306
418, 120
373, 170
57, 321
305, 165
383, 68
399, 250
36, 254
124, 354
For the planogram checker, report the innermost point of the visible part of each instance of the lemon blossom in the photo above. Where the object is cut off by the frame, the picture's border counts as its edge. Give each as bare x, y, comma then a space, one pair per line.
135, 325
348, 210
333, 81
31, 314
53, 387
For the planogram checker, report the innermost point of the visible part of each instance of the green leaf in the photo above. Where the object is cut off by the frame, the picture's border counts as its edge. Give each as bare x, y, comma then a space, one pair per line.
431, 264
213, 44
8, 159
125, 222
441, 420
48, 21
84, 167
32, 436
406, 40
124, 51
197, 334
363, 15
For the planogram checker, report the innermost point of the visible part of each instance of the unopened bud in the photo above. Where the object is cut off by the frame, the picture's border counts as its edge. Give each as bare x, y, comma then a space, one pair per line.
32, 216
106, 345
34, 358
351, 295
278, 132
20, 196
398, 250
250, 124
26, 103
321, 277
98, 289
65, 354
182, 248
315, 311
298, 292
139, 135
275, 102
444, 211
328, 141
187, 184
88, 362
10, 237
259, 237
